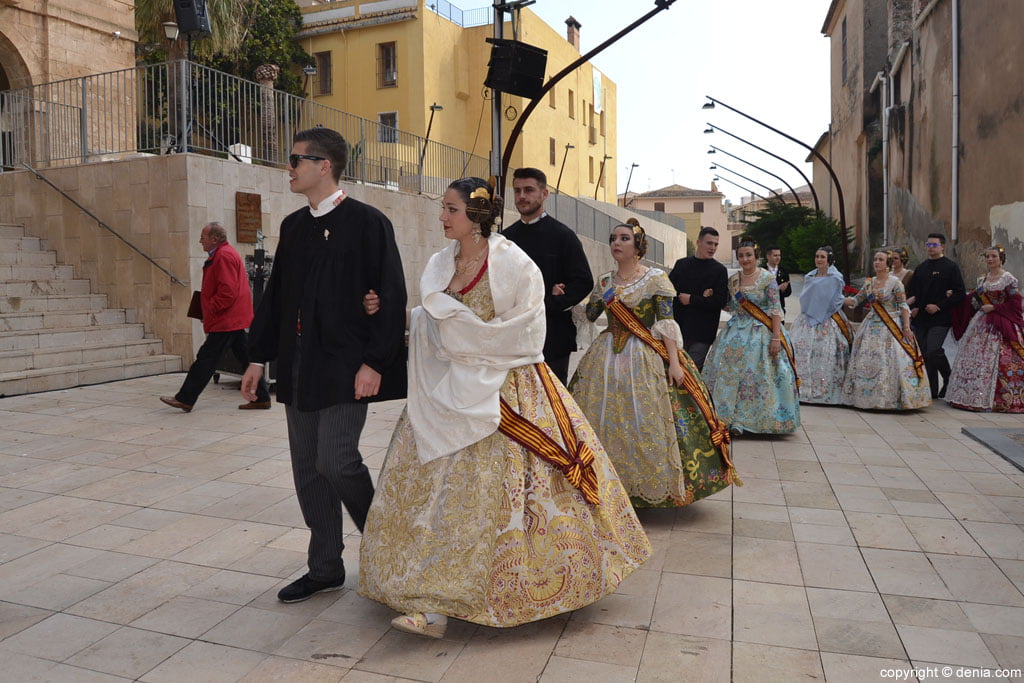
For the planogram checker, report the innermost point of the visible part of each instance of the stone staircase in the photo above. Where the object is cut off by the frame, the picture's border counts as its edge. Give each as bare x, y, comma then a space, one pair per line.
55, 333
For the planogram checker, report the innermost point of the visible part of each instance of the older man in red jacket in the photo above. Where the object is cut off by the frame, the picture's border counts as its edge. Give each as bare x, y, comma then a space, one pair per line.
227, 311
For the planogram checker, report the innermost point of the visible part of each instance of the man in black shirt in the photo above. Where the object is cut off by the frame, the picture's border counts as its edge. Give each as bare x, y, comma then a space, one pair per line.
772, 258
936, 288
558, 253
332, 358
702, 288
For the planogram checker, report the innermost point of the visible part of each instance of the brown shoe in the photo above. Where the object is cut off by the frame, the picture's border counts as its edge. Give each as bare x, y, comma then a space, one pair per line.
255, 405
175, 403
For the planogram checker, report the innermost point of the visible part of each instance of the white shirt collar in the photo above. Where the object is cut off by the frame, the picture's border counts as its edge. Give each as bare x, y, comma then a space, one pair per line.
542, 214
328, 204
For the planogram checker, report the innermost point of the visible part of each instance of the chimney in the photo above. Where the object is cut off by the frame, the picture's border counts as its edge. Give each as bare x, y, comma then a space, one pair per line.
572, 33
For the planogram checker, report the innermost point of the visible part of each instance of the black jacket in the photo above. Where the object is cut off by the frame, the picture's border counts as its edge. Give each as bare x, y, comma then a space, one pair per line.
932, 279
782, 276
558, 253
691, 275
322, 268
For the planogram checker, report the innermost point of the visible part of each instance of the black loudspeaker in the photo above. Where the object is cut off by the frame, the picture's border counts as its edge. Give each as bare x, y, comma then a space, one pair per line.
516, 67
192, 17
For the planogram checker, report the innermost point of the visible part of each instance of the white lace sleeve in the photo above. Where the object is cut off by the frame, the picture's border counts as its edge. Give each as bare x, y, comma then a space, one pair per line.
668, 330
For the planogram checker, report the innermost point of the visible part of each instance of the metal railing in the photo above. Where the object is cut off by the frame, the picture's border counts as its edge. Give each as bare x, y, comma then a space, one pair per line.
464, 18
587, 221
182, 106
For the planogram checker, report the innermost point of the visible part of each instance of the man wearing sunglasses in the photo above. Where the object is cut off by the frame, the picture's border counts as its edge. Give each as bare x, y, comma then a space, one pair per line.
936, 288
332, 358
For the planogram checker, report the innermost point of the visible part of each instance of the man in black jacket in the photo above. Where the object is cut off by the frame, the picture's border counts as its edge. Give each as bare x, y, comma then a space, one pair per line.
702, 288
558, 253
332, 358
936, 288
772, 258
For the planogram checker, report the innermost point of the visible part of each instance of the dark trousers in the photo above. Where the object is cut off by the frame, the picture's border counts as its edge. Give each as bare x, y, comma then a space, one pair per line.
206, 364
560, 366
698, 351
935, 362
329, 472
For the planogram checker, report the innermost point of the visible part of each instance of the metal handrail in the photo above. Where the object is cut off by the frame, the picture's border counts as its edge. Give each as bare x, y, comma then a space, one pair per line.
103, 225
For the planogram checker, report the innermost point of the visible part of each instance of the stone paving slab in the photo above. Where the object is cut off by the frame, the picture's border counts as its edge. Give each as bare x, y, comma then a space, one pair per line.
141, 543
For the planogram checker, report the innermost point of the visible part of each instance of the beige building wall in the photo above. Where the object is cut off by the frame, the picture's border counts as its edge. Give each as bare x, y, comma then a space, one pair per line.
50, 40
714, 215
441, 62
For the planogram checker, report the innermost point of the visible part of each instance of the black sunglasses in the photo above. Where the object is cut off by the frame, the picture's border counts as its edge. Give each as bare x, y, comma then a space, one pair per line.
293, 159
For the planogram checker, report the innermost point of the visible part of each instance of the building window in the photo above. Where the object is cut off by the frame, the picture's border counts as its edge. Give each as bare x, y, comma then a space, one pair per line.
844, 50
659, 206
551, 98
324, 79
387, 126
552, 155
698, 207
572, 104
387, 65
591, 169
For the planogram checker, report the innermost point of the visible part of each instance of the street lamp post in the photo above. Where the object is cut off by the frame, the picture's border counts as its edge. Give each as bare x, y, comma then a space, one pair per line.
717, 166
625, 197
600, 175
817, 155
777, 177
752, 193
712, 128
568, 146
435, 107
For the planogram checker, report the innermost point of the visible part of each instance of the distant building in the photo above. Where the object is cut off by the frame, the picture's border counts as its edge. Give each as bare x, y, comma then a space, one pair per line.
697, 208
390, 61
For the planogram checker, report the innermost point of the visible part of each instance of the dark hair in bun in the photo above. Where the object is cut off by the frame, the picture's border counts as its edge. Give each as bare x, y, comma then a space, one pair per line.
482, 206
639, 235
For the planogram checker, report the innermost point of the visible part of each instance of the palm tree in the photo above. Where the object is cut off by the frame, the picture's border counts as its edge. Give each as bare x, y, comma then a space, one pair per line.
229, 20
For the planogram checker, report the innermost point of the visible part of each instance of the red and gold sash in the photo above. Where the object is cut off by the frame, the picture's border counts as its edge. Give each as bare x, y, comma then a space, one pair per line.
762, 317
719, 430
575, 460
1014, 344
909, 346
844, 327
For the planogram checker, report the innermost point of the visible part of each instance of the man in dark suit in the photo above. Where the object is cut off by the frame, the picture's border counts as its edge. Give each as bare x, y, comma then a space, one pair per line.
558, 253
772, 257
702, 288
332, 358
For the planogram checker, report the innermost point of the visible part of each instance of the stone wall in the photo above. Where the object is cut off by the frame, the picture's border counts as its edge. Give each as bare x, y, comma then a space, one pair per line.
160, 204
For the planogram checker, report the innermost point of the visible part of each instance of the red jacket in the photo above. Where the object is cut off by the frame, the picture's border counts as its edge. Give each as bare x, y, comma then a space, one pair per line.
227, 301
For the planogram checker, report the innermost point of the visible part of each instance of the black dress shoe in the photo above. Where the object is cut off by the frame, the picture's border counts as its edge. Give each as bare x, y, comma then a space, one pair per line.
175, 403
255, 405
304, 588
942, 391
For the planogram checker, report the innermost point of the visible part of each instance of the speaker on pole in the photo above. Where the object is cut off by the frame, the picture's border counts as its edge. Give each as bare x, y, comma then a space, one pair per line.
516, 67
192, 17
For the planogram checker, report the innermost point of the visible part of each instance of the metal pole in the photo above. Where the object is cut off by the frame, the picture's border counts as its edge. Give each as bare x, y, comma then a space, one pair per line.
814, 194
600, 175
83, 121
625, 197
752, 193
779, 178
718, 166
828, 167
497, 170
568, 146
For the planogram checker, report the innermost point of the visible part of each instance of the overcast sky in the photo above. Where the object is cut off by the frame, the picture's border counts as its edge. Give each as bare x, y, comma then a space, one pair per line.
768, 59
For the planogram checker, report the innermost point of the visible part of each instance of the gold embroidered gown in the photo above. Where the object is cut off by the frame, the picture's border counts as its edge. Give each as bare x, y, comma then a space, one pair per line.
493, 534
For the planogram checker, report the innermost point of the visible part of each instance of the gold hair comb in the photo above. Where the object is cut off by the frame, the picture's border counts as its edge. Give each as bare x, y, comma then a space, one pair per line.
480, 192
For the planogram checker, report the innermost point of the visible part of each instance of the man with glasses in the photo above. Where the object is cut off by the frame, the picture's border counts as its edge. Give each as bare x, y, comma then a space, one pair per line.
332, 358
936, 288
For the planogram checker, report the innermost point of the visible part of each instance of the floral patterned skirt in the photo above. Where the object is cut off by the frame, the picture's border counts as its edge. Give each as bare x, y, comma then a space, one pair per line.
988, 374
821, 353
654, 432
881, 375
493, 534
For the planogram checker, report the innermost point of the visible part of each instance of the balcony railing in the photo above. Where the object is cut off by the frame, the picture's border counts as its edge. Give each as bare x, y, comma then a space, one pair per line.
181, 106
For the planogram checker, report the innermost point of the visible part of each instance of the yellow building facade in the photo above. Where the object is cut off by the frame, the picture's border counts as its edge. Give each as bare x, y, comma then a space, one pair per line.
389, 61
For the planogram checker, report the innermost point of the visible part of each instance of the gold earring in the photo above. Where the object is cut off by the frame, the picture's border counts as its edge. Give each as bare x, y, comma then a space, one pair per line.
476, 235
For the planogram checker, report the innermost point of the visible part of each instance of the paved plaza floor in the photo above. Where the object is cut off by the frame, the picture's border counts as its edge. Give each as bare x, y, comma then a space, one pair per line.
139, 542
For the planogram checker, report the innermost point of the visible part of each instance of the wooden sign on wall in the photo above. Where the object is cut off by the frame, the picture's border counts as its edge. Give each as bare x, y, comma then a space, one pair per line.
248, 216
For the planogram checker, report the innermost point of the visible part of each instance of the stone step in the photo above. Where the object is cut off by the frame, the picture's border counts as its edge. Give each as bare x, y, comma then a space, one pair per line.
20, 273
12, 230
72, 336
20, 244
63, 377
32, 359
44, 287
53, 302
14, 322
28, 258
